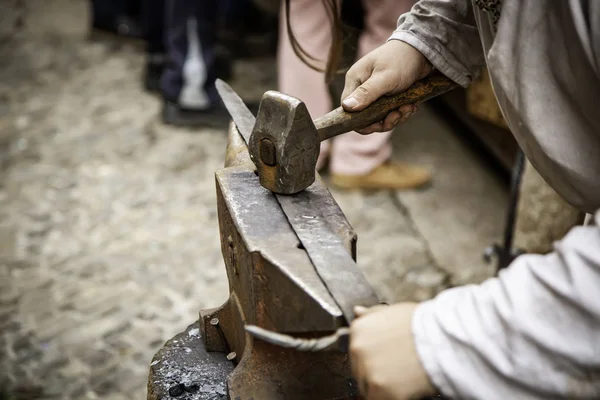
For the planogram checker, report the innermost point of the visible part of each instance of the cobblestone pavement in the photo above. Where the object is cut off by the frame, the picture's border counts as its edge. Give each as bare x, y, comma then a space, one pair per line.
108, 226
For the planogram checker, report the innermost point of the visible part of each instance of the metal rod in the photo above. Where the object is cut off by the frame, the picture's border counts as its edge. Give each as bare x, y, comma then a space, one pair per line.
339, 341
507, 254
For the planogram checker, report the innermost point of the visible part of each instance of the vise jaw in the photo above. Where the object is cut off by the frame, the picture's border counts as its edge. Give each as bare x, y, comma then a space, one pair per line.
273, 284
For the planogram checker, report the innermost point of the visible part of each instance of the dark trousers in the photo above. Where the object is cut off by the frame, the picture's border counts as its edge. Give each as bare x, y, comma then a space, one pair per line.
190, 40
153, 20
106, 12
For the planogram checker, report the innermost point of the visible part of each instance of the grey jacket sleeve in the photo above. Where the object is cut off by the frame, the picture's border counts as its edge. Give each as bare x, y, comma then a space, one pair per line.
446, 33
531, 333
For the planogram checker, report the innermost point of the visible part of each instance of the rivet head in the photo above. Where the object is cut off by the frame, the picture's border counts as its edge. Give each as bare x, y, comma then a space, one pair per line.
177, 390
231, 356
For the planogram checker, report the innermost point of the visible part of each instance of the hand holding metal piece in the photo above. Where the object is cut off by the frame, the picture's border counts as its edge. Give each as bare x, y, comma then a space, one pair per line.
339, 341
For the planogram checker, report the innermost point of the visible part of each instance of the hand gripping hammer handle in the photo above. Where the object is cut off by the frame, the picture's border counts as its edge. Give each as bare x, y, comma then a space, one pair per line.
340, 121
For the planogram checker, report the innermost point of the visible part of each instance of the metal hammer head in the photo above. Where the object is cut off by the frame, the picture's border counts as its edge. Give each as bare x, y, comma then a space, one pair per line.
284, 144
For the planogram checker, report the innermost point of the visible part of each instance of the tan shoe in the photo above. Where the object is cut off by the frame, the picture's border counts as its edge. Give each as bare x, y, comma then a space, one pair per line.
387, 176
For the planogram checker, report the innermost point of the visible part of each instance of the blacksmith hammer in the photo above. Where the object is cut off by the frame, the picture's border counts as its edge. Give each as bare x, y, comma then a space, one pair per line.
285, 141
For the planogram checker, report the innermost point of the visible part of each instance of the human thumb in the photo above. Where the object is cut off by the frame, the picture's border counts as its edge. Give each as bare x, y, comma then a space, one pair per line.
365, 94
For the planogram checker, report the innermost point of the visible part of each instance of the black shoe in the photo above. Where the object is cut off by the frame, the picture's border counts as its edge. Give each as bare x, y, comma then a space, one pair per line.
155, 65
213, 117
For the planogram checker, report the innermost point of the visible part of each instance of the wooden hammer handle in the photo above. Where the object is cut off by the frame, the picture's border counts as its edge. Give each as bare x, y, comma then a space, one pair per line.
340, 121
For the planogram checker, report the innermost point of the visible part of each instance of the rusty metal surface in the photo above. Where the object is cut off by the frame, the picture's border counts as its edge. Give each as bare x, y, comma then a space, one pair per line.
333, 263
273, 284
271, 372
284, 122
237, 153
274, 278
184, 370
282, 140
281, 115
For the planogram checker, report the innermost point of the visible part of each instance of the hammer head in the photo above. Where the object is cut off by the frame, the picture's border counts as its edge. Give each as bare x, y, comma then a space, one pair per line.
284, 144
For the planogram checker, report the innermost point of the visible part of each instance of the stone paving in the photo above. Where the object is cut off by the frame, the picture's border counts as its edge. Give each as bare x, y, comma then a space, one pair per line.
108, 227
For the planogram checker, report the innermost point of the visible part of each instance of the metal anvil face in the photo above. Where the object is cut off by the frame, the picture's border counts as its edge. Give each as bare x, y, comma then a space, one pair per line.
273, 284
284, 144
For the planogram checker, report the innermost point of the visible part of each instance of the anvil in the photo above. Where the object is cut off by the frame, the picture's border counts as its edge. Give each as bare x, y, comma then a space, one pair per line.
273, 284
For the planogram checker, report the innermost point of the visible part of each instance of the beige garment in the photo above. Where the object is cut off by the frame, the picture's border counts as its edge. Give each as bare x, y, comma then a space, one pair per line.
351, 153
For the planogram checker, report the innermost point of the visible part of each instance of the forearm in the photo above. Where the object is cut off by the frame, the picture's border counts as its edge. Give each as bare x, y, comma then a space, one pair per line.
532, 333
444, 31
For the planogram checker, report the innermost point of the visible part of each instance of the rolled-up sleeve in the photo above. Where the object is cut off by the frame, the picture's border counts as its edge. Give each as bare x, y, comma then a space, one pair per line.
446, 33
531, 333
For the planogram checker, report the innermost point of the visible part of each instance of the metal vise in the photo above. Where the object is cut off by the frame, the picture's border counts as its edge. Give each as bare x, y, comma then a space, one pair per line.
273, 284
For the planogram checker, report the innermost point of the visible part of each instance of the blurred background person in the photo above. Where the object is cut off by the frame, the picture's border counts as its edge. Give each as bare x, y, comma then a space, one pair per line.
190, 43
355, 161
187, 82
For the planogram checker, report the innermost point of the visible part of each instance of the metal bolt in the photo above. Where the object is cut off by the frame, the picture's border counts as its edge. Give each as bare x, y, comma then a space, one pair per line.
231, 356
215, 323
267, 152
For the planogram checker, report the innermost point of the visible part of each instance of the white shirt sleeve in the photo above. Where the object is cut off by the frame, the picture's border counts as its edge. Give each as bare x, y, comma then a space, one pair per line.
531, 333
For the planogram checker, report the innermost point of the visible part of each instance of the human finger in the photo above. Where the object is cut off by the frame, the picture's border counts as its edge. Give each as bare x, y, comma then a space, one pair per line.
376, 127
367, 92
